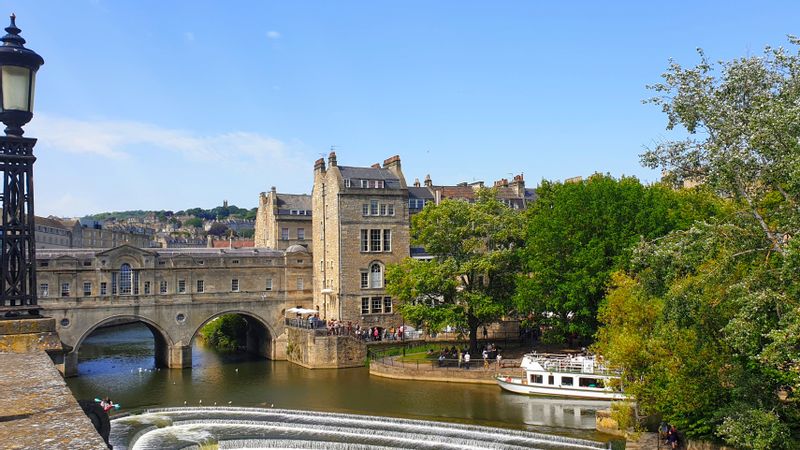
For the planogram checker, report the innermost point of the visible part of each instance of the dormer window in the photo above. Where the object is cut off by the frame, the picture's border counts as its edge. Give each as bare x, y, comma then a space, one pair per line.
364, 183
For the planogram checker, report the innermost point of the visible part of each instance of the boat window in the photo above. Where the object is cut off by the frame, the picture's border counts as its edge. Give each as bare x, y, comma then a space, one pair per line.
551, 380
536, 379
567, 381
590, 382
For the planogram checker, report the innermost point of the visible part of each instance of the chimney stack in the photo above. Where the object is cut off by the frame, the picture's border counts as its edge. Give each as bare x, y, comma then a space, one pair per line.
428, 182
332, 159
416, 182
319, 165
376, 166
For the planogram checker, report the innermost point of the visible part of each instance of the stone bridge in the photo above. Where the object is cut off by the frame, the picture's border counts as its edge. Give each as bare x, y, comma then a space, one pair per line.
174, 292
174, 323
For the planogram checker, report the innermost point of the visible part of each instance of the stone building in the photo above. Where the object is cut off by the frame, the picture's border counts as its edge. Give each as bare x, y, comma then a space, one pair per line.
173, 274
283, 220
52, 233
360, 225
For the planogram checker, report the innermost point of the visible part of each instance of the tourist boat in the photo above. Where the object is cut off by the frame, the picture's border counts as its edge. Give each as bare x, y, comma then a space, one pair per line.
559, 375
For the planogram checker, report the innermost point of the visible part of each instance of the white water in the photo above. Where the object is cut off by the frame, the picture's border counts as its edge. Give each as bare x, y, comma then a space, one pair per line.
252, 428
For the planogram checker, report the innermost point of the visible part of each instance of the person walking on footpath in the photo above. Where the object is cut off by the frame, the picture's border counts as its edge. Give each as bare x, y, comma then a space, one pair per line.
466, 361
485, 359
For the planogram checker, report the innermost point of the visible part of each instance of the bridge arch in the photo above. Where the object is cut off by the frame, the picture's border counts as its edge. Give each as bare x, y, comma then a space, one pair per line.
163, 342
260, 332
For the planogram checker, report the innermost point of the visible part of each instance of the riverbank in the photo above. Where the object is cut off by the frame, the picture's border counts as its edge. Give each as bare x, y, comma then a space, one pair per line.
395, 368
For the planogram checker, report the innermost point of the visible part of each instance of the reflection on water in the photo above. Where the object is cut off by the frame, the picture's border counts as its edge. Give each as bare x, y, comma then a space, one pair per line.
111, 360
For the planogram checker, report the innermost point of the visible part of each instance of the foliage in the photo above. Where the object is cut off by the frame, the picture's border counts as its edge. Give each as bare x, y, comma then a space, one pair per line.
706, 321
247, 233
579, 233
218, 229
227, 332
623, 413
195, 222
470, 281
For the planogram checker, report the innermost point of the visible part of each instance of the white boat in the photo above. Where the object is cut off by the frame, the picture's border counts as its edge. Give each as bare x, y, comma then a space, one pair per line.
563, 376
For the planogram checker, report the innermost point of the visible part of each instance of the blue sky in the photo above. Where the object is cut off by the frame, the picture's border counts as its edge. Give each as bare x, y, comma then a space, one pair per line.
177, 104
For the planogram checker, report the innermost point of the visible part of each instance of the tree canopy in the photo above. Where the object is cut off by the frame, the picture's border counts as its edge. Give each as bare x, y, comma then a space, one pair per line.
706, 323
470, 281
577, 234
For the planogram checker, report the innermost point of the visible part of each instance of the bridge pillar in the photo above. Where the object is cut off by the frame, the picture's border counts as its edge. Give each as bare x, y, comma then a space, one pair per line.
179, 356
70, 367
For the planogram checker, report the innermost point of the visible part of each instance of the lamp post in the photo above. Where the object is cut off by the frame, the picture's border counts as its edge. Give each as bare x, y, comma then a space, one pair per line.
18, 66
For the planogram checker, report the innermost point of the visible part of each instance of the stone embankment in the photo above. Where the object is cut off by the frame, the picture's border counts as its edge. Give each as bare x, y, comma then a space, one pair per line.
393, 367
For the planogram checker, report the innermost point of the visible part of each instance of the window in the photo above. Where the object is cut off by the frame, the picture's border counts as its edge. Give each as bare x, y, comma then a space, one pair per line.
268, 286
284, 234
161, 263
103, 288
299, 283
44, 290
162, 287
376, 305
125, 279
376, 276
87, 288
590, 382
181, 286
383, 209
387, 240
146, 288
364, 305
390, 209
87, 263
347, 182
536, 379
364, 240
364, 183
375, 240
235, 285
387, 305
200, 262
113, 283
44, 264
365, 209
201, 286
566, 381
234, 261
135, 283
373, 207
551, 379
65, 289
301, 234
364, 280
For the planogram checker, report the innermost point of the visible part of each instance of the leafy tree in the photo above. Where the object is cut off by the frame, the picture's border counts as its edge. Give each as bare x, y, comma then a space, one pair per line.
577, 234
227, 332
247, 233
470, 281
706, 323
218, 229
195, 222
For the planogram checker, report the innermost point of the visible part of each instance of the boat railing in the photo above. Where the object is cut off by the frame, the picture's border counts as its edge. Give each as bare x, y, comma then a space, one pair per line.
569, 364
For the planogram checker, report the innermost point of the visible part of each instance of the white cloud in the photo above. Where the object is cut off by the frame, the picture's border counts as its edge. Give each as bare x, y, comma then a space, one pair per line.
273, 34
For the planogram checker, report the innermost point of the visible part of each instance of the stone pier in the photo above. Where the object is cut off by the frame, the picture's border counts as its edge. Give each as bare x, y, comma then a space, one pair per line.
314, 350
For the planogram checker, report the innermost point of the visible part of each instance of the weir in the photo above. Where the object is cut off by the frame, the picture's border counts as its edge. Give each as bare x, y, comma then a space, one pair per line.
231, 427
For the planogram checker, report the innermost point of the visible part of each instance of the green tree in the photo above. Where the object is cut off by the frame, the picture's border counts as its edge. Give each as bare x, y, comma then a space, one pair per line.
577, 234
470, 280
706, 323
195, 222
227, 332
218, 229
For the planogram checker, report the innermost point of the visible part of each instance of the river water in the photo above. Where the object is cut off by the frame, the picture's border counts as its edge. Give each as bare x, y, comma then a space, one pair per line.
119, 362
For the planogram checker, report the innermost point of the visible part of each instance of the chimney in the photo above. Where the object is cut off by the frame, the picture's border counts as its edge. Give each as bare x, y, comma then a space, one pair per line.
376, 166
319, 165
428, 182
273, 190
210, 241
332, 159
392, 162
519, 185
416, 182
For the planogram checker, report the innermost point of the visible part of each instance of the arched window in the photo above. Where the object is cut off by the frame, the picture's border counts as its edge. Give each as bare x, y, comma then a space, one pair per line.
125, 279
375, 276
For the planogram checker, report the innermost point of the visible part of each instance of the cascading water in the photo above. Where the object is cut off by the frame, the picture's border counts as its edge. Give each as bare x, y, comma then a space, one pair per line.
253, 428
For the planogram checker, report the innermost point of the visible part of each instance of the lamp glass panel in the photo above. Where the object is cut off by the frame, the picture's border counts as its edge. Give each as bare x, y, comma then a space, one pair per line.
33, 90
15, 87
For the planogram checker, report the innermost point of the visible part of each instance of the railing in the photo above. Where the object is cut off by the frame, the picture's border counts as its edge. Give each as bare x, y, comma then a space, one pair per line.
447, 366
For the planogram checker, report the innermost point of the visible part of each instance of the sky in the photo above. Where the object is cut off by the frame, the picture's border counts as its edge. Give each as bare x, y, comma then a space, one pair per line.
180, 104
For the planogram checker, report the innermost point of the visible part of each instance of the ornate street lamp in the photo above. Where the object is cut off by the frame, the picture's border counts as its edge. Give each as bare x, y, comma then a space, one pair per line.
18, 66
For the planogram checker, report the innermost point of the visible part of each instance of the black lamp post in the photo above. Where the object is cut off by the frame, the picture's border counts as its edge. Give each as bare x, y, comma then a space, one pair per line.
18, 66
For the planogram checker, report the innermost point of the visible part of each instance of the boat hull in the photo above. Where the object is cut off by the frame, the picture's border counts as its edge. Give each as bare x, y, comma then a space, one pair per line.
517, 386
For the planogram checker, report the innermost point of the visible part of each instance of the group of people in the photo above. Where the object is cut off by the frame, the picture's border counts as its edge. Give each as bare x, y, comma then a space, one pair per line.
380, 334
488, 354
670, 435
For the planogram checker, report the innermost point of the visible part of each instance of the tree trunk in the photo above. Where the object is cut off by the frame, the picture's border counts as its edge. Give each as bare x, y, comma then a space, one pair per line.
473, 324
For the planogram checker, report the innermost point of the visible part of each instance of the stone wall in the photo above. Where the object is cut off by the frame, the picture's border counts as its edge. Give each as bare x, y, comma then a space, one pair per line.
426, 372
323, 352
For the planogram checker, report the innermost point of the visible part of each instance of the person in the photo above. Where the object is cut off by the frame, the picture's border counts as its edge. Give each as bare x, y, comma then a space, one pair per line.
106, 404
485, 333
485, 359
499, 358
441, 360
466, 360
672, 438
